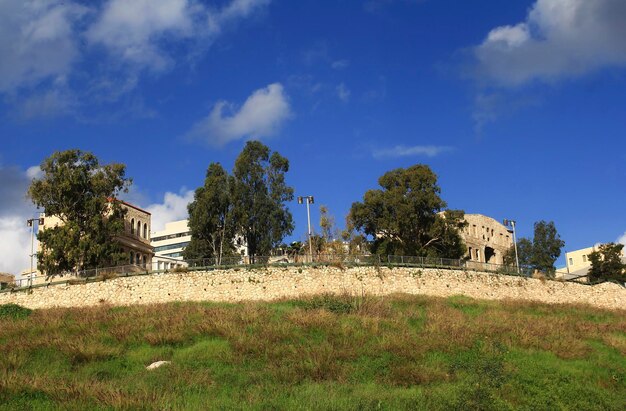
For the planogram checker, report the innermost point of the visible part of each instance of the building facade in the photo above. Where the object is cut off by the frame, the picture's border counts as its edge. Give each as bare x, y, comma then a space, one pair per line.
135, 240
486, 239
169, 244
6, 280
577, 263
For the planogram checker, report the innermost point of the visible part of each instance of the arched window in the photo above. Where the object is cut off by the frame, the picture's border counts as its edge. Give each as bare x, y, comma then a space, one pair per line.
145, 230
137, 259
145, 261
138, 228
132, 226
132, 257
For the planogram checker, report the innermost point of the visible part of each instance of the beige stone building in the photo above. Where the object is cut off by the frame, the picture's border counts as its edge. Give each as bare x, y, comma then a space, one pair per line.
486, 239
136, 237
577, 263
6, 280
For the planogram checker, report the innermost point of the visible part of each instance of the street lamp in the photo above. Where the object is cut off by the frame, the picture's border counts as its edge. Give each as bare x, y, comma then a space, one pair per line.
309, 200
512, 224
31, 223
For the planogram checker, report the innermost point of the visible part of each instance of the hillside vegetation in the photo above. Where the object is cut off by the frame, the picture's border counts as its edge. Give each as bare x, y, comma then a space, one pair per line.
353, 353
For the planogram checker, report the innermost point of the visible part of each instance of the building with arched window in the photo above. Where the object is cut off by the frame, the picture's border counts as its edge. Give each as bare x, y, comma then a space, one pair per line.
134, 240
486, 239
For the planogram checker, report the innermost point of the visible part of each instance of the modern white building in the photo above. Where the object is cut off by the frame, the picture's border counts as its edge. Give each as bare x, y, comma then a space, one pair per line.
577, 263
169, 244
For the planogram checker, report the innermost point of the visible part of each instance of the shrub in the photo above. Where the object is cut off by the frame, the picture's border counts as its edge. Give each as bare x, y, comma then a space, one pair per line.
14, 311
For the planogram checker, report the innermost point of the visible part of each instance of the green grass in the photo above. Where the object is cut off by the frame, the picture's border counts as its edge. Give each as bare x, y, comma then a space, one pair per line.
319, 353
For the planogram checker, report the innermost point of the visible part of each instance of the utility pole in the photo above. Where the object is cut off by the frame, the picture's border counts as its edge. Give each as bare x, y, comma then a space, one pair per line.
512, 224
31, 223
309, 200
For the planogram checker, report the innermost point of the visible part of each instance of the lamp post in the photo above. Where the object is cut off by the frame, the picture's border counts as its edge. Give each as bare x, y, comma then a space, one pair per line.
309, 200
31, 223
512, 224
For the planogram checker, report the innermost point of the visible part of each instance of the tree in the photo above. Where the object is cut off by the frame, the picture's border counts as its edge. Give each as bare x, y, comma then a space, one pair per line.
542, 252
607, 264
357, 243
259, 196
81, 192
331, 243
547, 246
211, 217
327, 224
524, 252
404, 216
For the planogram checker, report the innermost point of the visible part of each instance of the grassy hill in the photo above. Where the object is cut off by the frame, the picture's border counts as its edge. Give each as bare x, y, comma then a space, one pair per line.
353, 353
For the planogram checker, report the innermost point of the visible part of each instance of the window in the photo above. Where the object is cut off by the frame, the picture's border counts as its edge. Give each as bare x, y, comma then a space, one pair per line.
174, 255
138, 228
145, 260
584, 258
169, 237
132, 257
132, 226
145, 230
171, 246
469, 252
571, 261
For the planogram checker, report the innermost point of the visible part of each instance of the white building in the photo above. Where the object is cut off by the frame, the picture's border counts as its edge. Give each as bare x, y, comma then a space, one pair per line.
577, 263
170, 243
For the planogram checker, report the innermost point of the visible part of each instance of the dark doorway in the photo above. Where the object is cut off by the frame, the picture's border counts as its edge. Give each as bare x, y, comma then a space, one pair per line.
490, 255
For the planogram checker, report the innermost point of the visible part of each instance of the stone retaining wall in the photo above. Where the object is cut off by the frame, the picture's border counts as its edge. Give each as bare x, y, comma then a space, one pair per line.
277, 282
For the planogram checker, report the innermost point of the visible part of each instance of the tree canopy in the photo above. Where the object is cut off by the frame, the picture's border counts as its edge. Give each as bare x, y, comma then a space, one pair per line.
542, 252
259, 196
404, 216
211, 217
81, 192
607, 264
547, 245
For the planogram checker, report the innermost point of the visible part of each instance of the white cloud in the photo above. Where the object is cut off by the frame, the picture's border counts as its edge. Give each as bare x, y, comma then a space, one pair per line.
173, 208
44, 45
14, 244
15, 209
234, 11
34, 172
134, 31
404, 151
343, 92
622, 239
50, 103
262, 115
340, 64
558, 39
37, 40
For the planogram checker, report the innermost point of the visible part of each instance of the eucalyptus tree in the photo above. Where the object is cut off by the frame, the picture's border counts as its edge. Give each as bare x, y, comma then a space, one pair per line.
405, 216
259, 196
80, 192
211, 217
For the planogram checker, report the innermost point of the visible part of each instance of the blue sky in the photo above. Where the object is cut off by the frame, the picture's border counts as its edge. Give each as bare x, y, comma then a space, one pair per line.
518, 106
